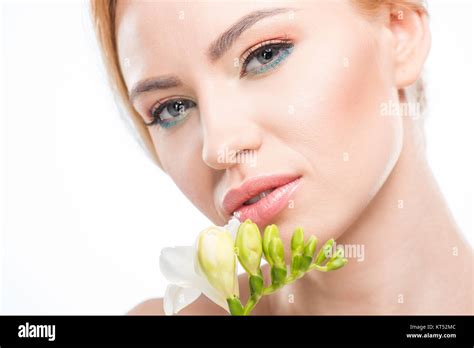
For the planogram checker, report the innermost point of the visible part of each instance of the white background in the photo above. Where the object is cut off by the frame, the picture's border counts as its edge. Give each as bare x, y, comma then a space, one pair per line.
84, 212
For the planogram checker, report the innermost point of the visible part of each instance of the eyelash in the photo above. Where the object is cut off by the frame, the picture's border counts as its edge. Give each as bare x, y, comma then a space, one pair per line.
158, 108
284, 45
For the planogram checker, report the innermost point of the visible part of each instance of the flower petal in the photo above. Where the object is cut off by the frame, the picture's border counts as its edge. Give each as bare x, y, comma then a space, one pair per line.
232, 226
203, 284
212, 294
176, 264
176, 298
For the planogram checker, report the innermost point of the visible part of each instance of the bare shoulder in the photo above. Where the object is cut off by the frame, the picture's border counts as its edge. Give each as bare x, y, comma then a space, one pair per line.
154, 306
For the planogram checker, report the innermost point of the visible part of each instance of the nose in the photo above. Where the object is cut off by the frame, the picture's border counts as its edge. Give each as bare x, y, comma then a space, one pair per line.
230, 131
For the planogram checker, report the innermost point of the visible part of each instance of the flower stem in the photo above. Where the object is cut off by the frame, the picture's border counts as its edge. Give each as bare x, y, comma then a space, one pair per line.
318, 267
280, 279
238, 309
251, 303
290, 279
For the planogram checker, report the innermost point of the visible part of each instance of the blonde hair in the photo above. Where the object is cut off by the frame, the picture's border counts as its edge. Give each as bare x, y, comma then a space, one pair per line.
103, 18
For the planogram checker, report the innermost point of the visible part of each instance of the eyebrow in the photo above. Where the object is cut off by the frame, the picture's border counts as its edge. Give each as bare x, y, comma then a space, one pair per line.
226, 39
215, 51
154, 83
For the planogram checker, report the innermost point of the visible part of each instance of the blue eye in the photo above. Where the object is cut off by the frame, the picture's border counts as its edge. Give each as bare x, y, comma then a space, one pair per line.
171, 112
265, 57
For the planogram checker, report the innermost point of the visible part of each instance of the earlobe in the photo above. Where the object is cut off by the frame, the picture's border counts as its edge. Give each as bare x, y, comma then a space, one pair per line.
412, 41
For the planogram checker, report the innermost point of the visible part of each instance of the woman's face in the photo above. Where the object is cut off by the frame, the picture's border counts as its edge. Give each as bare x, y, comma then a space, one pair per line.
305, 103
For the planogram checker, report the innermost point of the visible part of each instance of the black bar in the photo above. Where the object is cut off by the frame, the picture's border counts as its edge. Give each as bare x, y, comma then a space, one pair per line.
136, 330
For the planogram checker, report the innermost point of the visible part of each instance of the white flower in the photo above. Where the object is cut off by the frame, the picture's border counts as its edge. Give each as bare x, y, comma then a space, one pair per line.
182, 268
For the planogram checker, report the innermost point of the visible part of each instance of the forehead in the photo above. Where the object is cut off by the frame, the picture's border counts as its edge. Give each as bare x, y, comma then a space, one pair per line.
163, 37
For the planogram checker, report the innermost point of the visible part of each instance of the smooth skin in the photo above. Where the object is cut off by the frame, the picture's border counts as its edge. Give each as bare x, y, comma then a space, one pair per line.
317, 114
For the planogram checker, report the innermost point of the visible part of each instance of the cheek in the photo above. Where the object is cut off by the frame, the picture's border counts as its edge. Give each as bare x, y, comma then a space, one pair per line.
355, 146
181, 161
338, 127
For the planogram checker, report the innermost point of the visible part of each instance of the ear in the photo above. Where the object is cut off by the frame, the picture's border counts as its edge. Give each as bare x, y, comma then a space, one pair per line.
411, 43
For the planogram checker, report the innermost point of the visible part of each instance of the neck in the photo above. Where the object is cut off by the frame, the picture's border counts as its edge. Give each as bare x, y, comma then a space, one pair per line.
413, 253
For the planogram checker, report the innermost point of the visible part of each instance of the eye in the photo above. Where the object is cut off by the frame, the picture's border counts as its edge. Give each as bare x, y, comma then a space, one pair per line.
171, 112
265, 56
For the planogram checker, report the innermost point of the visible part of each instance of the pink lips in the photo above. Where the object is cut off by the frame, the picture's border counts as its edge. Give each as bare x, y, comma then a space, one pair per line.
263, 211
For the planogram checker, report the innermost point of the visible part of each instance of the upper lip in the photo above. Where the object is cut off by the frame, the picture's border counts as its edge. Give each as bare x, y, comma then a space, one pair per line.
234, 198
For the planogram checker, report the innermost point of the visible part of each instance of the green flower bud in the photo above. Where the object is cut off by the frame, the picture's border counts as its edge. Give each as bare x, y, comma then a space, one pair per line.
296, 261
217, 261
310, 246
269, 233
249, 245
324, 252
336, 264
339, 253
277, 252
297, 248
297, 242
309, 249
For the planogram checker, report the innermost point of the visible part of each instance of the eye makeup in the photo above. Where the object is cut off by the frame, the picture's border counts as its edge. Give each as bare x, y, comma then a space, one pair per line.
171, 112
259, 59
269, 54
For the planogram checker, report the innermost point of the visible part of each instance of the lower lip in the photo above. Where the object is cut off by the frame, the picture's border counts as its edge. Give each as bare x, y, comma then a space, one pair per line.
263, 211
